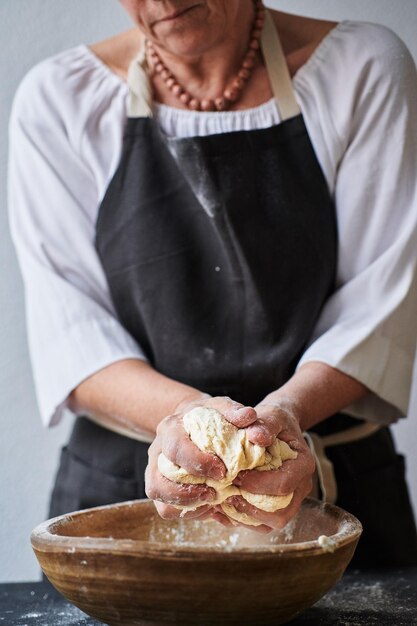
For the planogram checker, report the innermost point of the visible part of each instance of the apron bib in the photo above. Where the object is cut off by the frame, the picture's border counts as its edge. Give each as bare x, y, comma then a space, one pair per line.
220, 251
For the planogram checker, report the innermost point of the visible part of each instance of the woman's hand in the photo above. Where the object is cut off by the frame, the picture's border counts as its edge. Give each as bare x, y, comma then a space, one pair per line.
294, 475
175, 443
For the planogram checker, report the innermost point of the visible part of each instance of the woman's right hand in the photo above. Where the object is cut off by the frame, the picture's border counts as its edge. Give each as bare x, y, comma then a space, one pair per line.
174, 442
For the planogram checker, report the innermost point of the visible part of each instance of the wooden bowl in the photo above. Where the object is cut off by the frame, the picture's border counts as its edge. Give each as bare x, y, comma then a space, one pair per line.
126, 566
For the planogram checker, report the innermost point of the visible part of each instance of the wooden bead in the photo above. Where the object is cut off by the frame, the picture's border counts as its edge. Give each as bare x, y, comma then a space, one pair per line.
256, 33
231, 94
159, 68
207, 105
259, 22
177, 90
244, 74
185, 98
171, 82
248, 64
220, 104
165, 74
194, 104
254, 44
238, 84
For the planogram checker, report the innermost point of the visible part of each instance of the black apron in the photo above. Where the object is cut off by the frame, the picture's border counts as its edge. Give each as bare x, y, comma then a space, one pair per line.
219, 252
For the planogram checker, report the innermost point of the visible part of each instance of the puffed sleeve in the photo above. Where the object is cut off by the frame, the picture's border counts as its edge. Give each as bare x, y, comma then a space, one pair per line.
368, 327
73, 331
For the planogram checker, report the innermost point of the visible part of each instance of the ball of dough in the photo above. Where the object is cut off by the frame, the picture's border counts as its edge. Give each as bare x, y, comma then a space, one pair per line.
211, 432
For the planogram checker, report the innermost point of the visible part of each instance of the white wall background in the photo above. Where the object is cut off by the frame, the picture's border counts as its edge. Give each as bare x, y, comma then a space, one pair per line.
31, 30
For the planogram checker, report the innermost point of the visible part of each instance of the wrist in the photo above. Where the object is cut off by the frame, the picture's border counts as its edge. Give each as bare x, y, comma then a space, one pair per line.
192, 400
285, 404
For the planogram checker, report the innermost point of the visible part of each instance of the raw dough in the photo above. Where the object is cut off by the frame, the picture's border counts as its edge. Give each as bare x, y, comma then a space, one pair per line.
211, 432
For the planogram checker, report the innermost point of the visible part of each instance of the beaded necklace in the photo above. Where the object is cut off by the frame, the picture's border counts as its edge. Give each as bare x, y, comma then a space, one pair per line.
234, 88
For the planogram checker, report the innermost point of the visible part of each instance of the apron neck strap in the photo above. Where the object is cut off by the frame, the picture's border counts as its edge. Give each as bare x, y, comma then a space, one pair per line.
278, 72
140, 100
140, 89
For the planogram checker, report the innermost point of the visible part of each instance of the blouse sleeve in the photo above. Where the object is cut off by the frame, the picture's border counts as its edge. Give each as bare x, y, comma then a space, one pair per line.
368, 327
72, 328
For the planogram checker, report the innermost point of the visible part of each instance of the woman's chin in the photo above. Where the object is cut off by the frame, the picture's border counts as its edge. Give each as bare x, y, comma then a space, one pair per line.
189, 34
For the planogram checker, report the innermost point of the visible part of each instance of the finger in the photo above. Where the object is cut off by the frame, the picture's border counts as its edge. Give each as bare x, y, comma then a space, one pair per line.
299, 494
269, 424
278, 482
179, 449
207, 515
280, 518
271, 483
222, 519
242, 506
261, 434
273, 422
219, 515
157, 487
177, 494
236, 413
262, 529
167, 511
241, 417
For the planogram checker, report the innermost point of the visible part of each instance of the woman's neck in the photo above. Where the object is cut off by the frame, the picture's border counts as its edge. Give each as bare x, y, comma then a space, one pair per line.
299, 37
206, 73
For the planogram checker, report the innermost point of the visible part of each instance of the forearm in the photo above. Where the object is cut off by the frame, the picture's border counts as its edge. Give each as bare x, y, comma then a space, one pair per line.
317, 391
132, 394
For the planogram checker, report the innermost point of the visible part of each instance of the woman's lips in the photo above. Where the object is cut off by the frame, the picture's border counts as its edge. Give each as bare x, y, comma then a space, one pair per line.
179, 13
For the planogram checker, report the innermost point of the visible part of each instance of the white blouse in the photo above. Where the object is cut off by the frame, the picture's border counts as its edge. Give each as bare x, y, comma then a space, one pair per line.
358, 94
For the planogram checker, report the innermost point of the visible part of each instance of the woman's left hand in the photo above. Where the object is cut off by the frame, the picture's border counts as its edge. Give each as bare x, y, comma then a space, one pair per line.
294, 476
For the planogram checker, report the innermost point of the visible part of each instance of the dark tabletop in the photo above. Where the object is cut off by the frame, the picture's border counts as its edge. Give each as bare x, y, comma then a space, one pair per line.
361, 599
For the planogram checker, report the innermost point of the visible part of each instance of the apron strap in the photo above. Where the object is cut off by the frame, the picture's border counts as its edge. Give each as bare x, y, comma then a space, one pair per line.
325, 470
140, 89
140, 98
278, 71
352, 434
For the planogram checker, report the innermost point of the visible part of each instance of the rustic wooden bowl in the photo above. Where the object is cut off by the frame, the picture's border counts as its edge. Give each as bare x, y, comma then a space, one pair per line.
126, 566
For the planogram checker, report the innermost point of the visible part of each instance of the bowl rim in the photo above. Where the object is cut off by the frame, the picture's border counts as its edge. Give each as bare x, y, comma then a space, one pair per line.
43, 539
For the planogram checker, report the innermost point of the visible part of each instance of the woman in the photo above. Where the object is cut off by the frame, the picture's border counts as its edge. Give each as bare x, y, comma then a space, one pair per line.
248, 245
